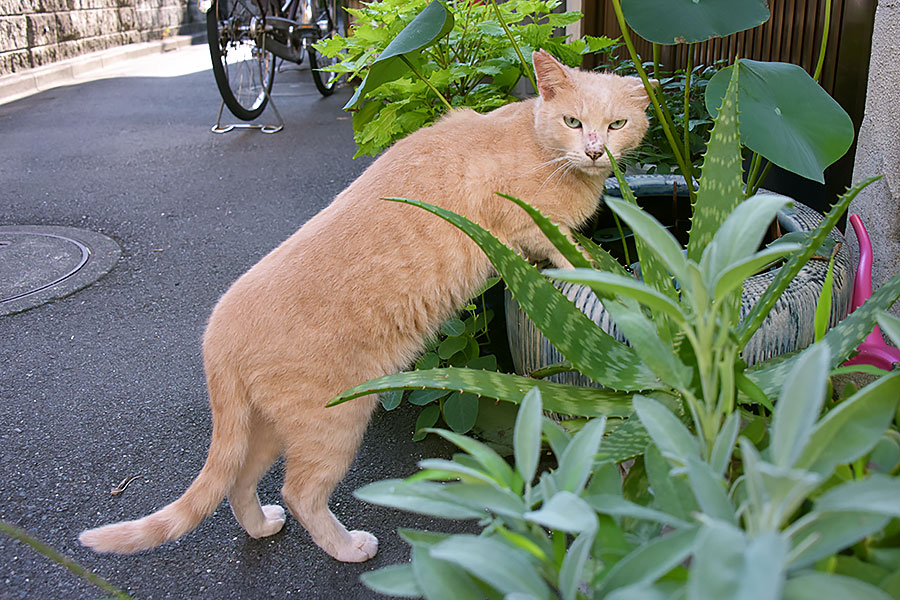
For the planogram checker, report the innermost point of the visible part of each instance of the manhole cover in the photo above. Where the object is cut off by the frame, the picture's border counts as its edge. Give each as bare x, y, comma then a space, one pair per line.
40, 263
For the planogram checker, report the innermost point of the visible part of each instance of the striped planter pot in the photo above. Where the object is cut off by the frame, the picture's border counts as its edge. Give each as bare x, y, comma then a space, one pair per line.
789, 326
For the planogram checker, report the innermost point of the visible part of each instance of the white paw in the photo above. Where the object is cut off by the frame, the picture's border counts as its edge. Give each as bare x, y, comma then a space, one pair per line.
362, 547
274, 520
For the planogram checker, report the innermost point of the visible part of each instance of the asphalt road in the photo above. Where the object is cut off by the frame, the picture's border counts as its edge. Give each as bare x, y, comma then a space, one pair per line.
107, 383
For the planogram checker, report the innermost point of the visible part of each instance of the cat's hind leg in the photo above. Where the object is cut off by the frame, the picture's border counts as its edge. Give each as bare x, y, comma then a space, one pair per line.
313, 468
264, 448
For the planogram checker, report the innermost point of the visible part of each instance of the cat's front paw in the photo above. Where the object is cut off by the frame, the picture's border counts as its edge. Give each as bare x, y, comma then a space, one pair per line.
274, 521
362, 547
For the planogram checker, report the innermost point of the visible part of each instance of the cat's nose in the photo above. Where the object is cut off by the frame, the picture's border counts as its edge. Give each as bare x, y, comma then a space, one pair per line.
593, 154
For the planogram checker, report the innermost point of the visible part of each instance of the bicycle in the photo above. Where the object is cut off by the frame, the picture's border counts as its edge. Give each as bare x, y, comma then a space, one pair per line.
246, 36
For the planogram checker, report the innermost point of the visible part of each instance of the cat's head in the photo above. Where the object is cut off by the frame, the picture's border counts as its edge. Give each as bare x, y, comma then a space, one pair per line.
579, 113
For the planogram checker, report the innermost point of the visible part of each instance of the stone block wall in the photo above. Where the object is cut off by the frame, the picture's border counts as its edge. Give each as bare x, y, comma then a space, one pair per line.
34, 33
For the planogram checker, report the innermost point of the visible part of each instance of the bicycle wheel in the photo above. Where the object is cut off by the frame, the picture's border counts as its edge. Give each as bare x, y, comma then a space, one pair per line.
244, 71
331, 23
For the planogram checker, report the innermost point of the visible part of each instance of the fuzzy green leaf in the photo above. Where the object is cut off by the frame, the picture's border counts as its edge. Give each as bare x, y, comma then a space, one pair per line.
577, 460
565, 511
650, 561
527, 435
813, 585
441, 580
669, 434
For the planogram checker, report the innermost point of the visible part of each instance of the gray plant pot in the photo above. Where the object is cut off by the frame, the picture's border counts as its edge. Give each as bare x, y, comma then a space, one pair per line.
789, 327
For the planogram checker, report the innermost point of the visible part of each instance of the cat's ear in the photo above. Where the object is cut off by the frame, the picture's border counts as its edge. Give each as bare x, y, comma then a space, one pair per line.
551, 74
637, 91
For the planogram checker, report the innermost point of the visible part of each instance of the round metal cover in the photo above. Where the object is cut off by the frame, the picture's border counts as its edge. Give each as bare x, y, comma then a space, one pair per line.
41, 263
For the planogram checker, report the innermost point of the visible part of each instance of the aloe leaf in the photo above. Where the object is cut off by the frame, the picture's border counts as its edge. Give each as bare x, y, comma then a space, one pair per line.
798, 406
721, 184
653, 269
556, 397
612, 284
627, 440
841, 339
433, 23
551, 230
602, 258
890, 326
686, 21
787, 117
592, 351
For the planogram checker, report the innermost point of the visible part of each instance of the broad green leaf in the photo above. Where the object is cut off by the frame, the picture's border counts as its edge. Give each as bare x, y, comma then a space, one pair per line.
460, 411
734, 276
617, 506
729, 565
492, 462
658, 239
391, 400
786, 116
433, 23
423, 497
739, 236
440, 580
786, 274
723, 447
565, 512
527, 435
878, 494
612, 284
721, 183
427, 418
570, 575
559, 398
650, 561
818, 535
453, 327
685, 21
852, 428
577, 461
709, 490
551, 230
451, 346
890, 326
425, 397
668, 432
393, 580
506, 568
595, 353
798, 407
813, 585
841, 339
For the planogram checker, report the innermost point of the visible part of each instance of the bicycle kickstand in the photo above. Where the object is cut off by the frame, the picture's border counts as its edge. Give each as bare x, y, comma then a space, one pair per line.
219, 128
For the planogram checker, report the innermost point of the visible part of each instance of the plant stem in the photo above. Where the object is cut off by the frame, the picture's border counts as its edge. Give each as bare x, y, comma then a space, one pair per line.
526, 67
428, 83
622, 237
655, 60
827, 26
668, 127
23, 536
687, 105
762, 177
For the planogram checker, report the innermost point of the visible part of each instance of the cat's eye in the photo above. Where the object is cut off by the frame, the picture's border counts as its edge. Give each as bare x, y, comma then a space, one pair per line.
572, 122
618, 124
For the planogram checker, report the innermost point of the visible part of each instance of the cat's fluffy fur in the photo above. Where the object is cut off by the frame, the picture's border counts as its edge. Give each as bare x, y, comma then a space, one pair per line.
353, 294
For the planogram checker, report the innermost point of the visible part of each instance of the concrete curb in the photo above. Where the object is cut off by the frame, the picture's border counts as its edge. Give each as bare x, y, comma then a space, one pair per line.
25, 83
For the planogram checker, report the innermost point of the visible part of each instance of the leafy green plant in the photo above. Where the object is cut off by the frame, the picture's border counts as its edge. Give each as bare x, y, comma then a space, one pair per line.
460, 343
418, 59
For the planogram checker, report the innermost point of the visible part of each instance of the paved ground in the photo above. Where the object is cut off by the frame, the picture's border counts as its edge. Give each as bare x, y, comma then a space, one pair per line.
106, 383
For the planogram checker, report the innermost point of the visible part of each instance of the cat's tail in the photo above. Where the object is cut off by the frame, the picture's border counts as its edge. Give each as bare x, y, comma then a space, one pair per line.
227, 452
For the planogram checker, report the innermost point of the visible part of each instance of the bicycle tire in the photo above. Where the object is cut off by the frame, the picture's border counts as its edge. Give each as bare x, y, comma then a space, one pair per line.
326, 82
244, 71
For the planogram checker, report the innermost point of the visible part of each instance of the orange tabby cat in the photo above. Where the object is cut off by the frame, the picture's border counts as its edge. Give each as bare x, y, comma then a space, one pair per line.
353, 294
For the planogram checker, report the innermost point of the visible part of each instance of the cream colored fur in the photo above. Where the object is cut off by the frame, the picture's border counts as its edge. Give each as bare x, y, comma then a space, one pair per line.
353, 294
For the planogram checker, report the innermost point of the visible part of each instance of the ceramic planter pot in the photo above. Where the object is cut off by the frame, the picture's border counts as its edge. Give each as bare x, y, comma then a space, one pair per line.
789, 327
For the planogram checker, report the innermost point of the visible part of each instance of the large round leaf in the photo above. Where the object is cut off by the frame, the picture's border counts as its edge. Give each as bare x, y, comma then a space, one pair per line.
786, 116
680, 21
